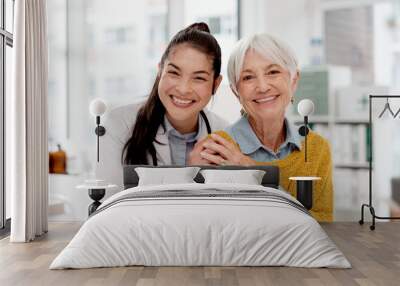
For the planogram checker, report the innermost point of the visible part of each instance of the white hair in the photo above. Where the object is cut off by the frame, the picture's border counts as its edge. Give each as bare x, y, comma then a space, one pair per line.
266, 45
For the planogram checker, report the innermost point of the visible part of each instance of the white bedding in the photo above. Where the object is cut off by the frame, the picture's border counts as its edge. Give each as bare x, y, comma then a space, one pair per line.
186, 230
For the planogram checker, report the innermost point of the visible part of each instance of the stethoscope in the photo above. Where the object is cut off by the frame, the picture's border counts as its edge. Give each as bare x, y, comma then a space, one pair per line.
153, 151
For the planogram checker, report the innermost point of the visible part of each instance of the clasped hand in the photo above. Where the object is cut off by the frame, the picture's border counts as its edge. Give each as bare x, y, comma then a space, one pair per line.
216, 150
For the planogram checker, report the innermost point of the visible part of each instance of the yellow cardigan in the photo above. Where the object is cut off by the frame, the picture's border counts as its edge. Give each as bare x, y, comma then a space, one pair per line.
318, 164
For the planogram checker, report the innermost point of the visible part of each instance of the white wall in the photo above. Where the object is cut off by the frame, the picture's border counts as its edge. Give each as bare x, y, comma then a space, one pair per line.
66, 202
225, 104
81, 141
382, 51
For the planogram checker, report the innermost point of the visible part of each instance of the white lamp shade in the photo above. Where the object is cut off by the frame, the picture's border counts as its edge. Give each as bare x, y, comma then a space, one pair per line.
97, 107
305, 107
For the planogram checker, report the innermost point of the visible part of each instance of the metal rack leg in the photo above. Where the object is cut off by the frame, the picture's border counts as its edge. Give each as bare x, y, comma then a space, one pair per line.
372, 210
361, 221
374, 216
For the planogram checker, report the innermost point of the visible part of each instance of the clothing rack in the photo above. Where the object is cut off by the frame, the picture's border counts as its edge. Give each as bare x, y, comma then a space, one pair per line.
369, 205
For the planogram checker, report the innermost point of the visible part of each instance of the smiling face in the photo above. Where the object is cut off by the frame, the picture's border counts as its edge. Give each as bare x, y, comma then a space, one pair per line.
265, 88
186, 83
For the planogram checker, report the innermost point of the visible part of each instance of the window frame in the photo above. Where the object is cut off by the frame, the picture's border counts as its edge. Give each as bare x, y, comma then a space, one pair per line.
6, 39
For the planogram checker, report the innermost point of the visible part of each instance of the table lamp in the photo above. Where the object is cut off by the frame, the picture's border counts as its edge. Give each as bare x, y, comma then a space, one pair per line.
305, 108
304, 184
96, 187
97, 108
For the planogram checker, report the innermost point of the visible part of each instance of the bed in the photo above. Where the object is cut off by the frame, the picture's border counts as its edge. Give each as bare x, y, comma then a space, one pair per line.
201, 224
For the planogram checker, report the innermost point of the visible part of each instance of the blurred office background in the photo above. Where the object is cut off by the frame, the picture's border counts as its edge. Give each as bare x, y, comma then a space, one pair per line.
347, 50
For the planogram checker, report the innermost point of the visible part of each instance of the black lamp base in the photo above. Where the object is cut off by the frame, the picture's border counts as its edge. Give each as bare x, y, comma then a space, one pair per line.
100, 130
96, 195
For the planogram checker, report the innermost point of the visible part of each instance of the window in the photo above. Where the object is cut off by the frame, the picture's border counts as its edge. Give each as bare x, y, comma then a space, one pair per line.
58, 78
124, 42
119, 36
6, 43
222, 18
95, 53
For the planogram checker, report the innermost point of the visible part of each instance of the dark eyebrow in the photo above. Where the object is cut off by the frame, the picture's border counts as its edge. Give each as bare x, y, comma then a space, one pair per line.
266, 68
273, 66
202, 71
174, 66
196, 72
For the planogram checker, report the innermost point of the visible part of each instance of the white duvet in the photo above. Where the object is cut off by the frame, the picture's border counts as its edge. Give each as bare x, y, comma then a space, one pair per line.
200, 231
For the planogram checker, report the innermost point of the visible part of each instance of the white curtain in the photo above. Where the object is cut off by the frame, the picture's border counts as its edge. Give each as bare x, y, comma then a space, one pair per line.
28, 150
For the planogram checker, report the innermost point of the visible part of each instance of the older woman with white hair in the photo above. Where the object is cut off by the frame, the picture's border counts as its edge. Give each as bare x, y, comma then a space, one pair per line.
263, 74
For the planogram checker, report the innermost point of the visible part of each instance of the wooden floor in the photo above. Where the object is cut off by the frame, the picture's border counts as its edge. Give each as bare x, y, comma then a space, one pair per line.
375, 256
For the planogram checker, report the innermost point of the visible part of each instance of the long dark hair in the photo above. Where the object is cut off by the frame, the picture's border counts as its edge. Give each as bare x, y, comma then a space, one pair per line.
151, 114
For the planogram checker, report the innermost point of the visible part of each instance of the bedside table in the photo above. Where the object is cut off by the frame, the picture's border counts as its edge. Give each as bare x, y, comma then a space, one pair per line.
96, 190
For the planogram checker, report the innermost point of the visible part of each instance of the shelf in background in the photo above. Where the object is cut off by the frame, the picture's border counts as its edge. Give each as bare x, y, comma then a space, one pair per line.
63, 174
312, 119
326, 120
352, 121
355, 166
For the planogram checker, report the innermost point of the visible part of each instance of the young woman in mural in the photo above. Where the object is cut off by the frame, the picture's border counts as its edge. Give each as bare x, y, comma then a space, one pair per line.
163, 129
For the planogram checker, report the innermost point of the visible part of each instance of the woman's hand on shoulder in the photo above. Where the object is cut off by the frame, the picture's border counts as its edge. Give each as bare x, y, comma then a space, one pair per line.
221, 151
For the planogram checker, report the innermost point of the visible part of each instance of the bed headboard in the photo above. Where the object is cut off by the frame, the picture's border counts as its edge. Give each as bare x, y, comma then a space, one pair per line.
270, 179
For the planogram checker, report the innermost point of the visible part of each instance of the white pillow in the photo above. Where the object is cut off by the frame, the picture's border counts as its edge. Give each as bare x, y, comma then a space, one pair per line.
248, 177
163, 176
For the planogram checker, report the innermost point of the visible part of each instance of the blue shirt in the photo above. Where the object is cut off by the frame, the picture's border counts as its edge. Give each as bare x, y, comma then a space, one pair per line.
242, 132
181, 145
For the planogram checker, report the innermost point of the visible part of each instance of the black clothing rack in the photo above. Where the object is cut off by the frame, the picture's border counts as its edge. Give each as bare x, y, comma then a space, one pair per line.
369, 205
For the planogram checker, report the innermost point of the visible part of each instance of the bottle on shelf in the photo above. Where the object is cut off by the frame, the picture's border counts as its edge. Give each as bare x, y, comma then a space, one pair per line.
58, 161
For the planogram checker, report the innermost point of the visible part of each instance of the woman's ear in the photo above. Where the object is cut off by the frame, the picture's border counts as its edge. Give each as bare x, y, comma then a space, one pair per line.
295, 81
217, 82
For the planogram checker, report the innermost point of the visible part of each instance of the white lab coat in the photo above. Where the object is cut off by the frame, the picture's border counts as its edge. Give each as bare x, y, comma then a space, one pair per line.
119, 126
